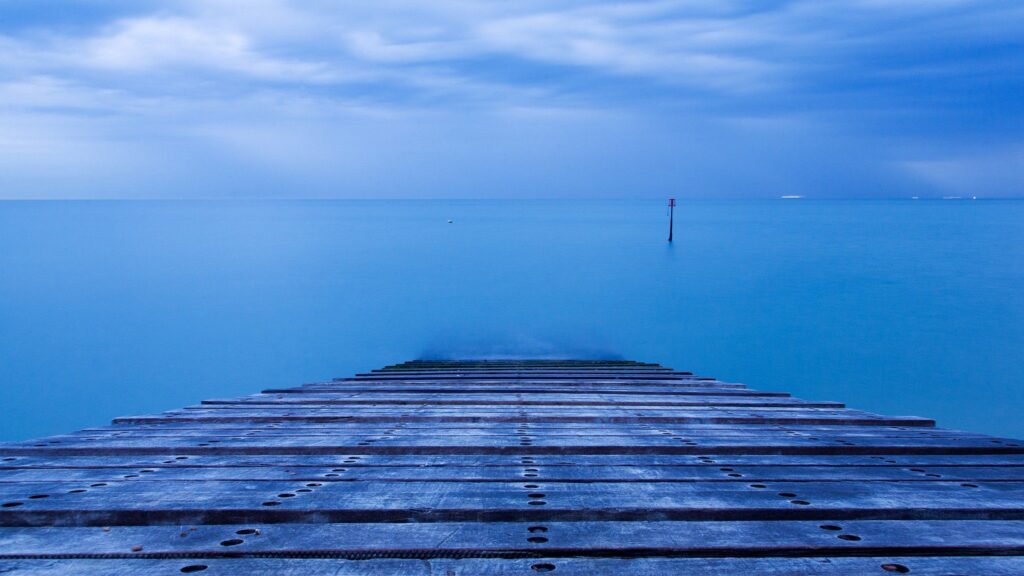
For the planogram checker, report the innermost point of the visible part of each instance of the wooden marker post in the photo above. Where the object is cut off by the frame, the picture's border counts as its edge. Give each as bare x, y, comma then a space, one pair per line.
671, 213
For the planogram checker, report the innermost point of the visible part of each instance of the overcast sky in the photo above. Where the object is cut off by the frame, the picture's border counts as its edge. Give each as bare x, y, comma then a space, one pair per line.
385, 99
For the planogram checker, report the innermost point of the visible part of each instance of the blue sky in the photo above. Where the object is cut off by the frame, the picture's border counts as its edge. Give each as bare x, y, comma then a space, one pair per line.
392, 99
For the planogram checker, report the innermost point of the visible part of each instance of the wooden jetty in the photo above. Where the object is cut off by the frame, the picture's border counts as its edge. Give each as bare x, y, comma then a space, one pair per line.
514, 467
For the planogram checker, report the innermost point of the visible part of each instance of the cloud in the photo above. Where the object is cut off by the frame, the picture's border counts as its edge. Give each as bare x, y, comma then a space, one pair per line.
873, 92
621, 41
147, 44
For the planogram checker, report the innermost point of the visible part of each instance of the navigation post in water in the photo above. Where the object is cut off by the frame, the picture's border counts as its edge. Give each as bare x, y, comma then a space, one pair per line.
671, 210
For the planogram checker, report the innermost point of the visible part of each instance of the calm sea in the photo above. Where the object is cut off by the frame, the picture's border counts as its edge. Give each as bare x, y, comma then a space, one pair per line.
900, 307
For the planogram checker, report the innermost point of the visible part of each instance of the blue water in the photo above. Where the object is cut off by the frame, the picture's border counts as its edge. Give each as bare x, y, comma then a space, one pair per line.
900, 307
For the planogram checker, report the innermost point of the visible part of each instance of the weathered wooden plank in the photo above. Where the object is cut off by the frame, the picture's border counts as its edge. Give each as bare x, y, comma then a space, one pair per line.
464, 364
595, 383
483, 460
368, 448
557, 374
531, 365
486, 426
552, 539
489, 365
533, 443
200, 434
460, 363
548, 373
131, 502
463, 389
427, 566
565, 373
621, 376
483, 426
513, 472
526, 388
486, 365
540, 410
535, 415
513, 399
